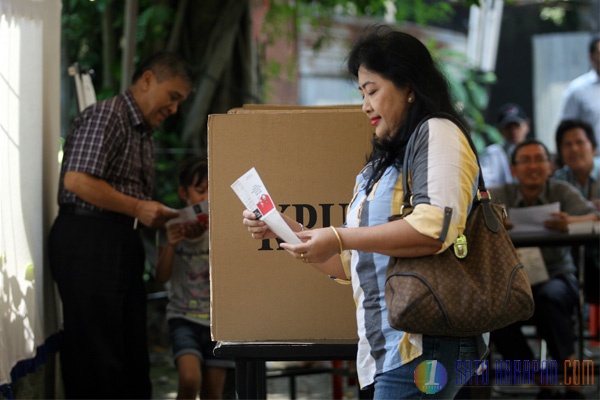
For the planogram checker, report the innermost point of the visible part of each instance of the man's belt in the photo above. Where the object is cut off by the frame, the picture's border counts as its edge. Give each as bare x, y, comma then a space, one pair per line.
71, 209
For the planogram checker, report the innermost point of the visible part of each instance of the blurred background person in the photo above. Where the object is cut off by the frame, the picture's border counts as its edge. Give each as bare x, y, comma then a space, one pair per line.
514, 125
577, 158
556, 297
581, 99
577, 154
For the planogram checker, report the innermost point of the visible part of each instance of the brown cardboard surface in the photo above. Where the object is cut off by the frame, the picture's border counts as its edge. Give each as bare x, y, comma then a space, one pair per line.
295, 107
308, 161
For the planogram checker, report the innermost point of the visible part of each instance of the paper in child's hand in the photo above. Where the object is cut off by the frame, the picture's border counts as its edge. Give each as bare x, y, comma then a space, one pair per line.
195, 213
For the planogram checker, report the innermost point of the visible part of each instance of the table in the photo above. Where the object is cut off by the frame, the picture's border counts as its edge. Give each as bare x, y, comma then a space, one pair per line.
250, 358
580, 240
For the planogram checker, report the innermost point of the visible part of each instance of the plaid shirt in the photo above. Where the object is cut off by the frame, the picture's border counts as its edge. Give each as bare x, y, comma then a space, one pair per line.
110, 141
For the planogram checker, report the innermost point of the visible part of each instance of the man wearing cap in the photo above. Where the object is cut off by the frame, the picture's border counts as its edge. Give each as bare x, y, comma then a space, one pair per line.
513, 124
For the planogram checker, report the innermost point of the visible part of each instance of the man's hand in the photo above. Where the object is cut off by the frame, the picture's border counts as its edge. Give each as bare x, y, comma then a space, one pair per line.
558, 222
153, 214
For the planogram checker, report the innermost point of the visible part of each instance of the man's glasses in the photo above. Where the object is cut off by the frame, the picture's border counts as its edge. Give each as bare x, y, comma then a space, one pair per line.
528, 161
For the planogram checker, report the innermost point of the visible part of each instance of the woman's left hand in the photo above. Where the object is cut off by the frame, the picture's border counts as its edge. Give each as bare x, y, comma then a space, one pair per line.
318, 245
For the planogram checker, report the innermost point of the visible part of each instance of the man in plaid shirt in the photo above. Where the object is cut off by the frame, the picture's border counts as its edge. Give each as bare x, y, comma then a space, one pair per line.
96, 253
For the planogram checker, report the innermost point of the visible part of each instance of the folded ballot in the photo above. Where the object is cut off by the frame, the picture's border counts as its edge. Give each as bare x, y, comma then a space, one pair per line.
253, 194
195, 213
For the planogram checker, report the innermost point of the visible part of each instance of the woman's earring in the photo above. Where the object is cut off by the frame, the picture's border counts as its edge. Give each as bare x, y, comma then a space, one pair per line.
411, 99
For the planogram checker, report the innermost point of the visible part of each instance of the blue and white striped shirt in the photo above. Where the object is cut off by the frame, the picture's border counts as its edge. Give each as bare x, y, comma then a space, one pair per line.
443, 173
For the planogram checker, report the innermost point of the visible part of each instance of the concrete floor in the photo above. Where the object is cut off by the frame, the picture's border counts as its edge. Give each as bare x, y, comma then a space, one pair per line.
319, 386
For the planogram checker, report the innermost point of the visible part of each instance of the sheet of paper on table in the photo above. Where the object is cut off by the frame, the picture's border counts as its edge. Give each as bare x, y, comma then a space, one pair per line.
531, 219
533, 262
253, 194
584, 227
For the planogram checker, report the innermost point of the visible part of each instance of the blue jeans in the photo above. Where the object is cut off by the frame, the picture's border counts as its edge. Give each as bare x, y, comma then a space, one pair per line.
191, 338
400, 383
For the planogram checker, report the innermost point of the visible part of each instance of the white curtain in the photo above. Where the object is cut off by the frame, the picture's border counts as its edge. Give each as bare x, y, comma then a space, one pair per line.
29, 132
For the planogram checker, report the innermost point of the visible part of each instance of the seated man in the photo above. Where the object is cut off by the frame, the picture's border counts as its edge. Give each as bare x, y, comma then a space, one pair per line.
555, 298
577, 147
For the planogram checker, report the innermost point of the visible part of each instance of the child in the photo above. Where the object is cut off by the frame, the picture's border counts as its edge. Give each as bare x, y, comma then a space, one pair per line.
183, 259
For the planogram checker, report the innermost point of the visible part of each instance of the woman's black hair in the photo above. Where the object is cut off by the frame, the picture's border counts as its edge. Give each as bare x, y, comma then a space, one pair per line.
568, 124
192, 171
404, 60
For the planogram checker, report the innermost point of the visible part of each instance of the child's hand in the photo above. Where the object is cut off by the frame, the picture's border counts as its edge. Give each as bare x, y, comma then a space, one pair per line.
194, 230
175, 233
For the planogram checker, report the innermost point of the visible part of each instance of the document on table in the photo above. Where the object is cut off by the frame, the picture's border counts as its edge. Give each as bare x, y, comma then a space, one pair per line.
253, 194
533, 262
584, 227
195, 213
531, 219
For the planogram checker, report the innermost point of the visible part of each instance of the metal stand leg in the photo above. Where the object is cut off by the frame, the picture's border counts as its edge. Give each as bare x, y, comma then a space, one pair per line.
250, 379
580, 309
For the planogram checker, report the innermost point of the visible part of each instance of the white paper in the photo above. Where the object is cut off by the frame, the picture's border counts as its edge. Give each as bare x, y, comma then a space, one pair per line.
195, 212
253, 194
533, 263
531, 219
584, 227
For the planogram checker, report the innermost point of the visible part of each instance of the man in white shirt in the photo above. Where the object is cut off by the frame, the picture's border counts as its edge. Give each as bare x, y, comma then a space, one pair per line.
581, 100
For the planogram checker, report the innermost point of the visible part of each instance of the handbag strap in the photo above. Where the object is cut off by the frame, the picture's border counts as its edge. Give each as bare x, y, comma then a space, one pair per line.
482, 197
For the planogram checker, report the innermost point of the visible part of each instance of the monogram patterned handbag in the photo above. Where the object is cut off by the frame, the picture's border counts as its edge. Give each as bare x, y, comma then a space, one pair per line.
477, 285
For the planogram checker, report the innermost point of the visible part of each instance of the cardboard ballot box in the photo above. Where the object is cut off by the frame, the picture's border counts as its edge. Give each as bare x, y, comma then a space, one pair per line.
308, 160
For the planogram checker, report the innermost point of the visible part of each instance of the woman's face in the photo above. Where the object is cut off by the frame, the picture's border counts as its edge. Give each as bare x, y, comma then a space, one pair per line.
576, 151
385, 104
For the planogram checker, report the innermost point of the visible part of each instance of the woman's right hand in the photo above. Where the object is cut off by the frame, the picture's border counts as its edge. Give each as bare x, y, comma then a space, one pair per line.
257, 228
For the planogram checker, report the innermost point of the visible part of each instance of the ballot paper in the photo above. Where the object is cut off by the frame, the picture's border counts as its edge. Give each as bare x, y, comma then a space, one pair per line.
253, 194
531, 219
584, 227
533, 262
195, 213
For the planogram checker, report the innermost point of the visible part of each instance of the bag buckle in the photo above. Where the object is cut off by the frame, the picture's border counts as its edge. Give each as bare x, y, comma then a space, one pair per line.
460, 247
485, 194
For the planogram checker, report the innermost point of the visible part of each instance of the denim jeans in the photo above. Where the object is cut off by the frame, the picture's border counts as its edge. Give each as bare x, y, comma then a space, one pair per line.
400, 383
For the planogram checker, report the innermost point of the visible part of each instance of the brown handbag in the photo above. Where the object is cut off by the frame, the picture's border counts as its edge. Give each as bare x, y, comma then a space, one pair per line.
477, 285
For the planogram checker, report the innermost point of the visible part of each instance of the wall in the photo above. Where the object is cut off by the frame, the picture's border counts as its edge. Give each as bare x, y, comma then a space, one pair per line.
29, 132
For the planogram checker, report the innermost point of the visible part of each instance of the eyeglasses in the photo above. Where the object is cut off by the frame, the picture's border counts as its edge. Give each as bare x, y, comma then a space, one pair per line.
527, 161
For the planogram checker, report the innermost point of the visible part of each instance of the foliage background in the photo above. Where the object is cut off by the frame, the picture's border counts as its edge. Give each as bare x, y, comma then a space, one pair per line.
93, 33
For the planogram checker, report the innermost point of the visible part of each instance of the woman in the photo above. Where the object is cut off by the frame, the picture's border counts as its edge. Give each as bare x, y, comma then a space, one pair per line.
401, 85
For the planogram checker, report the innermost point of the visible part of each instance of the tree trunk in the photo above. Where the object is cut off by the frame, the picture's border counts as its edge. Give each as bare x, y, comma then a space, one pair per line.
109, 47
129, 31
215, 60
